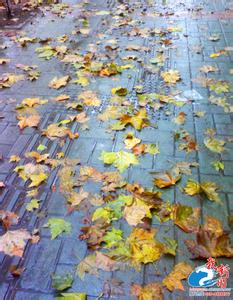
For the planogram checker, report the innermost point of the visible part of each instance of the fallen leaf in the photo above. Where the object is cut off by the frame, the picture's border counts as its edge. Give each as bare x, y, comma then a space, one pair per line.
87, 265
151, 291
131, 141
138, 121
8, 218
54, 131
89, 98
30, 102
30, 121
95, 234
61, 283
214, 145
104, 262
61, 98
208, 68
14, 158
8, 79
72, 296
218, 165
144, 248
211, 241
57, 227
167, 178
120, 91
13, 242
186, 217
174, 279
57, 83
180, 119
121, 160
171, 76
76, 198
208, 188
33, 204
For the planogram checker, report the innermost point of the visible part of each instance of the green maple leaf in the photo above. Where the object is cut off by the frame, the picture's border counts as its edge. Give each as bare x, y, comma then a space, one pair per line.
103, 213
33, 204
214, 145
61, 283
72, 296
112, 237
218, 165
113, 210
58, 226
121, 160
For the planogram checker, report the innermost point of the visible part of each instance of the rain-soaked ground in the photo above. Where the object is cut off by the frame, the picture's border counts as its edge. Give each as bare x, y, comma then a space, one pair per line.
116, 161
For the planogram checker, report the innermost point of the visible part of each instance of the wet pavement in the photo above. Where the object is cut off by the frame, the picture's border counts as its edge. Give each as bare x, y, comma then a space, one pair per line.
193, 22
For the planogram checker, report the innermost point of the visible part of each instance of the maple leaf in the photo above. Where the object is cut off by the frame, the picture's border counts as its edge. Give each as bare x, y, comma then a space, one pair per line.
76, 198
174, 279
33, 204
151, 291
120, 91
30, 102
82, 80
54, 131
185, 167
186, 217
61, 283
135, 213
144, 248
7, 80
167, 178
180, 119
57, 83
192, 188
95, 234
113, 210
89, 98
46, 52
36, 173
121, 160
61, 98
87, 265
30, 121
208, 68
104, 262
214, 145
211, 241
171, 76
13, 242
37, 179
14, 158
58, 226
113, 237
82, 118
218, 165
131, 141
7, 218
138, 121
72, 296
208, 188
38, 157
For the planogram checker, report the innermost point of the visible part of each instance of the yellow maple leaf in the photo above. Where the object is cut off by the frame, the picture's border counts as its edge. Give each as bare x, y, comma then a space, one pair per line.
171, 76
173, 280
57, 83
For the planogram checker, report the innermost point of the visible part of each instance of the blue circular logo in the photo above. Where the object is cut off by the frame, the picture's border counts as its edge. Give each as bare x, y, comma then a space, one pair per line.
202, 277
